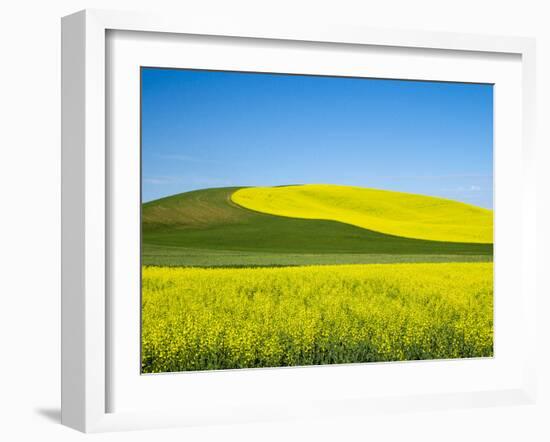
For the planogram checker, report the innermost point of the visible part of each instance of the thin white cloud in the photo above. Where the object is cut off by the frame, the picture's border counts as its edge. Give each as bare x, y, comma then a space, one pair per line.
193, 181
185, 158
463, 189
161, 180
438, 177
211, 182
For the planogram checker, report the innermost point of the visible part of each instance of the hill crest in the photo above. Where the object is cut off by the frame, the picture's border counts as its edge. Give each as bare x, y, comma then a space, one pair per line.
393, 213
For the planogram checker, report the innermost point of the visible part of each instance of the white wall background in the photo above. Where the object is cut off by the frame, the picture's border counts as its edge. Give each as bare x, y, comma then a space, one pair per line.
30, 215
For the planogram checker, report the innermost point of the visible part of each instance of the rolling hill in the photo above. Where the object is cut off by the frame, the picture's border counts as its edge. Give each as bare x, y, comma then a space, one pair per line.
394, 213
207, 228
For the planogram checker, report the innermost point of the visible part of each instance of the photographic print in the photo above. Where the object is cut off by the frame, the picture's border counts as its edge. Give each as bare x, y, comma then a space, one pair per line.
297, 220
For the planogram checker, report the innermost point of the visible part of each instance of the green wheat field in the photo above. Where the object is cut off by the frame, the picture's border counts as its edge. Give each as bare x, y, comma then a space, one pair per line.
313, 274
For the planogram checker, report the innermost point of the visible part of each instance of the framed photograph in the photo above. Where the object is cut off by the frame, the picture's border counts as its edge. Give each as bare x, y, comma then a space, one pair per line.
265, 222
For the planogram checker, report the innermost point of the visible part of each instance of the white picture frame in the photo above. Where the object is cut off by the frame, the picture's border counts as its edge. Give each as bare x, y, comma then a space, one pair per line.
86, 207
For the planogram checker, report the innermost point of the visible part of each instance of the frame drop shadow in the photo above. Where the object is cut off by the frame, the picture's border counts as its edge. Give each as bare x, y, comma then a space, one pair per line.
51, 414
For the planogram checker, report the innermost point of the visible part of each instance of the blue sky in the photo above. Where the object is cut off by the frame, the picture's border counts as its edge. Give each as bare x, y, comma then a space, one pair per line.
205, 129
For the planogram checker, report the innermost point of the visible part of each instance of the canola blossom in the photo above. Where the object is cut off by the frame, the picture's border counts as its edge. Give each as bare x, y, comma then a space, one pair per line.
207, 318
394, 213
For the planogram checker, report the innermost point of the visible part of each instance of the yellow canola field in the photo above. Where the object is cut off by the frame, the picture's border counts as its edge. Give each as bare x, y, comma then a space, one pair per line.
202, 319
393, 213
